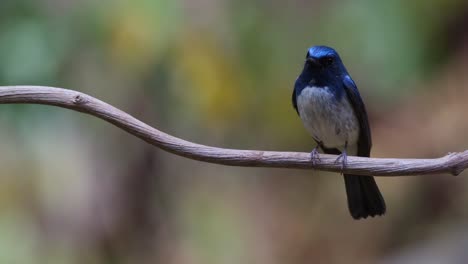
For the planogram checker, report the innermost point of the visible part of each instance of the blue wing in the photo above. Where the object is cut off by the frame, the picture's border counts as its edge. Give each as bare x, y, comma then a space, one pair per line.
364, 141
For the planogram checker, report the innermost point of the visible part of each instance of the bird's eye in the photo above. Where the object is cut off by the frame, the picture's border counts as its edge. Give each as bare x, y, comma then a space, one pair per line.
327, 61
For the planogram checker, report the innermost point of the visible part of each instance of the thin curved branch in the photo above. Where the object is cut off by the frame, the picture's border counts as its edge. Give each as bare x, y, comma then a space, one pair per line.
453, 163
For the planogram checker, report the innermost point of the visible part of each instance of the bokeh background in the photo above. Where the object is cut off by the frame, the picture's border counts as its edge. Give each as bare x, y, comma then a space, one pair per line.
74, 189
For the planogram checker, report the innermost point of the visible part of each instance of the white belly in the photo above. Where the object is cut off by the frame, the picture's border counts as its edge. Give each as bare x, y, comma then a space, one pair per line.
328, 120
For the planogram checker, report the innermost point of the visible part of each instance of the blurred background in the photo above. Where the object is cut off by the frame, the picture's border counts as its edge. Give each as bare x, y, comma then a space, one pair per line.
74, 189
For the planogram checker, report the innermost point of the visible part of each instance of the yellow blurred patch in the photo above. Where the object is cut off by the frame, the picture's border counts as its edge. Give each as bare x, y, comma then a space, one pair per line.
215, 82
141, 31
133, 42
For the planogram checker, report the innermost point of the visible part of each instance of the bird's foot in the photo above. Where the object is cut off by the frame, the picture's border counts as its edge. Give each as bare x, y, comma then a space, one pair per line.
343, 158
314, 156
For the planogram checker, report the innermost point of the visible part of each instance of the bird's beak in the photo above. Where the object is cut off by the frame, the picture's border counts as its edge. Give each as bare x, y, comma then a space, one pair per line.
313, 60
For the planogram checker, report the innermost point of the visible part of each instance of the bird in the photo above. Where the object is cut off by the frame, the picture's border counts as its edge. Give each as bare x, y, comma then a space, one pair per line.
332, 111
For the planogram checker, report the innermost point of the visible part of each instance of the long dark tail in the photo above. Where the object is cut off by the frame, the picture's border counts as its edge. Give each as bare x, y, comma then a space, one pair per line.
364, 197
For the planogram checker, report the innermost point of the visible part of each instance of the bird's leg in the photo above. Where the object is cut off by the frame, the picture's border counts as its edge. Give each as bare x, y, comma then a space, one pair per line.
343, 158
314, 154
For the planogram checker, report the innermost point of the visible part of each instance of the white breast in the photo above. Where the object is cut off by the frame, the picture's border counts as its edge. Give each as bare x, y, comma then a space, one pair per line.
328, 119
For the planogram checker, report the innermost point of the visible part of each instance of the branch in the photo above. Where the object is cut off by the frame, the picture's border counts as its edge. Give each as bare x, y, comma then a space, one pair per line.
453, 163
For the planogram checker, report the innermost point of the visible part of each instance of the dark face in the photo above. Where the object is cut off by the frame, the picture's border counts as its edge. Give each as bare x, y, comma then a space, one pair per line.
324, 59
322, 67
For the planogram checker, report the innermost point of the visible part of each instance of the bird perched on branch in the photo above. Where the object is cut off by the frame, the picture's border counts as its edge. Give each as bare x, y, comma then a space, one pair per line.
332, 111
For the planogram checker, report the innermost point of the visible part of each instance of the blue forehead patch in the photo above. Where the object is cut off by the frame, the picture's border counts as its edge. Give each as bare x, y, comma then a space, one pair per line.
321, 51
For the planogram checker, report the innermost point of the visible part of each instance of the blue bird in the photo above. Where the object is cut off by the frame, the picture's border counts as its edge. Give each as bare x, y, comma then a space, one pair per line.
332, 111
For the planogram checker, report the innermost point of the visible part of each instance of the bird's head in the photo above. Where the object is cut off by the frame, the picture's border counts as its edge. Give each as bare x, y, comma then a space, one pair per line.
323, 57
322, 64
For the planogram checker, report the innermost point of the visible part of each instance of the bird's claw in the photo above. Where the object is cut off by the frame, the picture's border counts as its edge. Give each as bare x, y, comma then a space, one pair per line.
314, 156
343, 158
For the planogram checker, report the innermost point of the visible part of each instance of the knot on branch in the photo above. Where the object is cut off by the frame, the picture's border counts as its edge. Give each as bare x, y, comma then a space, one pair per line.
79, 99
457, 161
